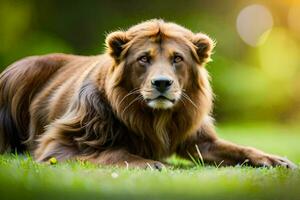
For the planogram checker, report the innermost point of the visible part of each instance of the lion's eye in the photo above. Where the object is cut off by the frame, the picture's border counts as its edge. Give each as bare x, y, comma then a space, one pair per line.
177, 59
144, 59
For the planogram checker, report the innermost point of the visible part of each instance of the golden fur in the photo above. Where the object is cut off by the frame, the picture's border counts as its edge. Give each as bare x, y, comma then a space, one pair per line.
104, 108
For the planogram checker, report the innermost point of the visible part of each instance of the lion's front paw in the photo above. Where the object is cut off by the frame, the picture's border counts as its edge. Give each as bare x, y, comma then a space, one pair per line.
260, 159
147, 164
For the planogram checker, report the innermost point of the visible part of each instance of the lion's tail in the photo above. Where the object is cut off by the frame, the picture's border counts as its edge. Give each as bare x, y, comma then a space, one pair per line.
18, 85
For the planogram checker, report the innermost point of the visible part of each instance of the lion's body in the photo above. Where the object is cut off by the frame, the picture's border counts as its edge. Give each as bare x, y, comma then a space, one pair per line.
55, 84
88, 108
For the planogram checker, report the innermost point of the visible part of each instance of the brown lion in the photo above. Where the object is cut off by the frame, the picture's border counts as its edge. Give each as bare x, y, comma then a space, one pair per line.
147, 97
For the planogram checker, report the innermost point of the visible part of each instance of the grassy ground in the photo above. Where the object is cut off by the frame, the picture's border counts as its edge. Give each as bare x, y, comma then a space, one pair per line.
22, 178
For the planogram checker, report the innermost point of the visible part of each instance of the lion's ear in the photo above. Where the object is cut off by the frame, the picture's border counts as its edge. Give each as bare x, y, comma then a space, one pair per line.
204, 46
115, 43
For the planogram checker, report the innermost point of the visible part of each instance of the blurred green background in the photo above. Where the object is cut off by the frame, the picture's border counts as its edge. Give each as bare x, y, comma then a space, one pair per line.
255, 76
256, 67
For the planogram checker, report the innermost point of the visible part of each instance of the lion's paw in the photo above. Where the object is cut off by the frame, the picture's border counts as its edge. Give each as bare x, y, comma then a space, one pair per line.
260, 159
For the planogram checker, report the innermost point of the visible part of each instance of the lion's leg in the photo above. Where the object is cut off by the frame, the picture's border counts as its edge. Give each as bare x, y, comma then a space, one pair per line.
215, 150
111, 157
54, 143
221, 151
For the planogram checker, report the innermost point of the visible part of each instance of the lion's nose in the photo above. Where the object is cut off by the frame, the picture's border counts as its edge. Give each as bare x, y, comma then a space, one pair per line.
162, 83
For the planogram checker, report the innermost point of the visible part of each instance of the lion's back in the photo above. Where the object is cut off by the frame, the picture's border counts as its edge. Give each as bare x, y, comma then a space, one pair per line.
19, 84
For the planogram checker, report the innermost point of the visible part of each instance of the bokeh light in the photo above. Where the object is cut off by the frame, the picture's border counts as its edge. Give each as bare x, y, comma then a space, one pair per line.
279, 56
254, 23
294, 19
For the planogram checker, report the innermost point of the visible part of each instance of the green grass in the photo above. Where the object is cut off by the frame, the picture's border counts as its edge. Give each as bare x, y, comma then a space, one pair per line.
22, 178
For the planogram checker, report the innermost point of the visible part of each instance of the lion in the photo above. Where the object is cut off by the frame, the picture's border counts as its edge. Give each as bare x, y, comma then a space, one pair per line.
146, 98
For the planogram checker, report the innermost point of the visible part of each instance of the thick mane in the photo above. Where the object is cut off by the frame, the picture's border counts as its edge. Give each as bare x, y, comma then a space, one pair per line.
163, 129
91, 120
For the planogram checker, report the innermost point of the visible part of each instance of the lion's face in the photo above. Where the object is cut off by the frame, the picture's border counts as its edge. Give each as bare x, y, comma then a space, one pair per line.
159, 69
160, 60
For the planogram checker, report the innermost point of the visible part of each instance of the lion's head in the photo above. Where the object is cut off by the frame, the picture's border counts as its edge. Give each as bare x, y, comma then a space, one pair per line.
157, 85
159, 63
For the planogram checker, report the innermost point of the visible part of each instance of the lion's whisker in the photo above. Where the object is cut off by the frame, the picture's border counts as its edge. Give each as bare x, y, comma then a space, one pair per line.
134, 100
182, 100
134, 91
186, 96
